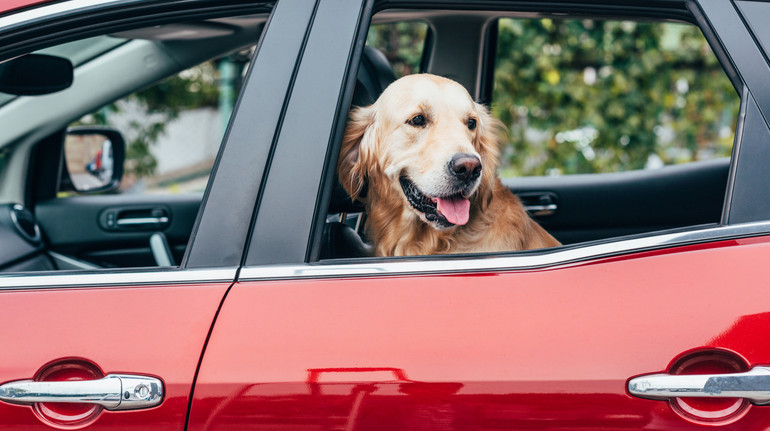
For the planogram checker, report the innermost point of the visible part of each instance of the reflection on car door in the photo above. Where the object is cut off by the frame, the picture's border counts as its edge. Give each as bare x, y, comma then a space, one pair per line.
539, 349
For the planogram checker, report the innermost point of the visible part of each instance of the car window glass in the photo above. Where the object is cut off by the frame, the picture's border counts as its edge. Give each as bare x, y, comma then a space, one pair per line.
592, 96
168, 91
173, 128
77, 52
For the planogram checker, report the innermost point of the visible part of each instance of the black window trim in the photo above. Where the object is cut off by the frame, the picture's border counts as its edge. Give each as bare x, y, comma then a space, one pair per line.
723, 25
229, 205
284, 222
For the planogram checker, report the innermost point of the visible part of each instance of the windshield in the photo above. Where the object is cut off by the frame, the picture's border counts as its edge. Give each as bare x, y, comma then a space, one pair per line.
78, 52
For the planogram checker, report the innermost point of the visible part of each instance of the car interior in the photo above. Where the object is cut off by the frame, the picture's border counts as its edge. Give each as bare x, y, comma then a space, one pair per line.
48, 231
106, 68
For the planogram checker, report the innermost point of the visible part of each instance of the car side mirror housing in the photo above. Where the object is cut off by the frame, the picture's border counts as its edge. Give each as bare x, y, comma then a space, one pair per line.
35, 74
92, 160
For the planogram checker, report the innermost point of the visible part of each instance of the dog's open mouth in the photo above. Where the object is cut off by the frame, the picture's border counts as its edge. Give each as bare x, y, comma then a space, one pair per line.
445, 211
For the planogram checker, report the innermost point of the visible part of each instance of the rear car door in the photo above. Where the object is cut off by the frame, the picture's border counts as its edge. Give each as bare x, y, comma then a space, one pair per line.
121, 347
557, 339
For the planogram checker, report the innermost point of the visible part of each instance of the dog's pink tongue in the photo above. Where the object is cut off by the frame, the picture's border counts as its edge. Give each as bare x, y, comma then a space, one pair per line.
456, 210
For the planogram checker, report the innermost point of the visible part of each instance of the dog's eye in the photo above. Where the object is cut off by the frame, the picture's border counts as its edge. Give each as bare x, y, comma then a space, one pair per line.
417, 120
472, 123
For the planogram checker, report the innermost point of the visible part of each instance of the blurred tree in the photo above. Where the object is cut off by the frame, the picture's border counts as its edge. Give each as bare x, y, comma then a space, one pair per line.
582, 96
161, 103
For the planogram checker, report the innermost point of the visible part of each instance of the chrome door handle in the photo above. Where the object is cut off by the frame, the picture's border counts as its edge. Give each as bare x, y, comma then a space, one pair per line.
142, 221
113, 392
753, 385
541, 210
539, 204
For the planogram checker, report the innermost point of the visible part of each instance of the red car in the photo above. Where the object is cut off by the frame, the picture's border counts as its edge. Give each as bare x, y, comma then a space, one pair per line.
164, 298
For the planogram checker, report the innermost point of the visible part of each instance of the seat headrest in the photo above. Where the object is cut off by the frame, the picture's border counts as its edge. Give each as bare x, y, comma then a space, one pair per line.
374, 75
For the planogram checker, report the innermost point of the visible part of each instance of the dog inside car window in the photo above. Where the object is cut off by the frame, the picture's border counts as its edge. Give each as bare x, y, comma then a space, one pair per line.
426, 155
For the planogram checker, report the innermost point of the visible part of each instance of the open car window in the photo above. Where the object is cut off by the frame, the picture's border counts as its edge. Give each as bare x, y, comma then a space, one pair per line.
643, 103
172, 128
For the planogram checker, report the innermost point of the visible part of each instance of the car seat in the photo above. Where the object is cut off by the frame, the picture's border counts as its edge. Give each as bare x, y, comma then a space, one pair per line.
341, 240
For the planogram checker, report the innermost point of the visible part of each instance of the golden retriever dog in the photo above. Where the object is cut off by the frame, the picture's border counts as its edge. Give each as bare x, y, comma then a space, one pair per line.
423, 160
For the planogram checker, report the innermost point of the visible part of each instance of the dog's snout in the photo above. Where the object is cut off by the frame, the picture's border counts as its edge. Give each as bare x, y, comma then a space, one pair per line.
465, 167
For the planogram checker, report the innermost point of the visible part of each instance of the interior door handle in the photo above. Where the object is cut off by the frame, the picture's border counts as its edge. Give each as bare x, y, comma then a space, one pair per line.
135, 218
541, 210
753, 385
539, 204
142, 221
113, 392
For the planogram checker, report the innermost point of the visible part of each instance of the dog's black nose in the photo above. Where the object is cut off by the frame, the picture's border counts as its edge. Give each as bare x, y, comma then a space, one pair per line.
465, 167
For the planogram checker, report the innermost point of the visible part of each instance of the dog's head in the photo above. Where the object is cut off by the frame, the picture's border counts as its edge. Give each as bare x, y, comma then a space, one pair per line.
424, 143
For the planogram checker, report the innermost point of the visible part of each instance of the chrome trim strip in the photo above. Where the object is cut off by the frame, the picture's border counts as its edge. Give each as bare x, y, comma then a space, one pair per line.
496, 262
52, 10
122, 277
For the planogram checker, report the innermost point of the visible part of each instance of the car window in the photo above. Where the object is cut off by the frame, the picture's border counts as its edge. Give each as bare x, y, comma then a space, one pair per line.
592, 96
167, 92
636, 101
173, 127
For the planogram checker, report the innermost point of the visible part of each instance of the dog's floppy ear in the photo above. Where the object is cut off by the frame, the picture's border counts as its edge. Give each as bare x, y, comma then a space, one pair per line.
487, 141
352, 166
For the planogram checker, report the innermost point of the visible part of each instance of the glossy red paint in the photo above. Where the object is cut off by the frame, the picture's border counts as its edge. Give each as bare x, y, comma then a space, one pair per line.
157, 331
9, 5
546, 350
68, 414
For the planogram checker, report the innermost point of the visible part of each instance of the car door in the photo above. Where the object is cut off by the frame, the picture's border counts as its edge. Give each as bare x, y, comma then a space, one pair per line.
602, 335
119, 349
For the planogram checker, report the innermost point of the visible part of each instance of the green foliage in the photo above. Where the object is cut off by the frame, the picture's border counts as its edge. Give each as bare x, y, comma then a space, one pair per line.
402, 43
164, 101
582, 96
193, 88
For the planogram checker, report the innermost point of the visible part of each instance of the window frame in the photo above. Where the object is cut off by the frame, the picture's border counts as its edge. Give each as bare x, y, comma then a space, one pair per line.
746, 201
297, 262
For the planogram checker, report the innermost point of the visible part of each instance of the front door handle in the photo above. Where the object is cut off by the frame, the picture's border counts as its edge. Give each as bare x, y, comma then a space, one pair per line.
113, 392
753, 385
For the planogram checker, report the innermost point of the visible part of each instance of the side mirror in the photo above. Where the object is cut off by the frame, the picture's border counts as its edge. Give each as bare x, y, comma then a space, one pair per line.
93, 159
35, 74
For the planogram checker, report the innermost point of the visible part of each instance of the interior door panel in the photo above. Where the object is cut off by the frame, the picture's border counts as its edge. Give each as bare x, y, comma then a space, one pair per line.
597, 206
115, 230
